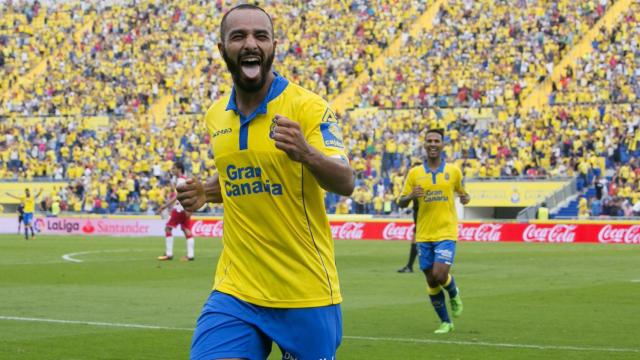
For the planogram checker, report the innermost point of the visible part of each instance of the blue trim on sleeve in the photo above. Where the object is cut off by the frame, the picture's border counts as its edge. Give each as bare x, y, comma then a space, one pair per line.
278, 86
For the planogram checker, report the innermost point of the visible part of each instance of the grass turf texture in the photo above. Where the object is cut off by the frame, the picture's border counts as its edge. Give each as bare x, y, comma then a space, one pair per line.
542, 301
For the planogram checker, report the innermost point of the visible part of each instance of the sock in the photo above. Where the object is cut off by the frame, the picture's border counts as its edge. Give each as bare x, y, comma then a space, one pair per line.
169, 246
412, 255
190, 247
26, 233
450, 286
437, 300
33, 234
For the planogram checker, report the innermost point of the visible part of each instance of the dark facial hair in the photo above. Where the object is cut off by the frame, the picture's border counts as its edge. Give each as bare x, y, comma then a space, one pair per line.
236, 72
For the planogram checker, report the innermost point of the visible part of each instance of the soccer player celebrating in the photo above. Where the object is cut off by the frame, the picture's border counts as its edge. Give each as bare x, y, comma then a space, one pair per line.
276, 146
434, 186
178, 217
29, 203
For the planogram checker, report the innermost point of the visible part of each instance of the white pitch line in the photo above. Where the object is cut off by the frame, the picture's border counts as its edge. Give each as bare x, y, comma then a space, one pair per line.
70, 256
635, 281
93, 323
488, 344
367, 338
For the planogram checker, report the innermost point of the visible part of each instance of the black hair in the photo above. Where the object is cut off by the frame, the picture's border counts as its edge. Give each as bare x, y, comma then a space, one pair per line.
437, 131
179, 165
241, 7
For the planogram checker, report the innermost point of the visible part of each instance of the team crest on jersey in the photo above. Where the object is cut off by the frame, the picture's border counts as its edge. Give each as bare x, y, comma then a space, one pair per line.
272, 129
329, 116
446, 176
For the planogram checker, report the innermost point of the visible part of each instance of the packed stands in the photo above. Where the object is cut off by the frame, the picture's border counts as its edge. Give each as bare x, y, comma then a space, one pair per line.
494, 51
118, 62
609, 73
30, 33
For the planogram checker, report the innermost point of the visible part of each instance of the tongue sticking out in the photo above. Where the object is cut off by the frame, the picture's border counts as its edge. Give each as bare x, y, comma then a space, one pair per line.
251, 71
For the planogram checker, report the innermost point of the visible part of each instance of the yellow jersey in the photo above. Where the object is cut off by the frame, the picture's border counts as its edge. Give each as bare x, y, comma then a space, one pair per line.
437, 215
29, 203
278, 250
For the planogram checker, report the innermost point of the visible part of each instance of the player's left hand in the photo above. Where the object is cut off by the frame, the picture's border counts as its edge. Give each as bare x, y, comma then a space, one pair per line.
289, 138
465, 198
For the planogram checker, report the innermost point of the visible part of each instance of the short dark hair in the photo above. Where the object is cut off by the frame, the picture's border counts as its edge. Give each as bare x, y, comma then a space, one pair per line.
437, 131
241, 7
179, 165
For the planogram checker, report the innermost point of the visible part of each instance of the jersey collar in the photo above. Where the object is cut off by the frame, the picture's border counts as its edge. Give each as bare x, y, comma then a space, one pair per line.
277, 87
440, 169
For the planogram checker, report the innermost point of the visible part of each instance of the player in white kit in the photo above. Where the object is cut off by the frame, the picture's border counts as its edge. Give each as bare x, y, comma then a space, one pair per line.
178, 217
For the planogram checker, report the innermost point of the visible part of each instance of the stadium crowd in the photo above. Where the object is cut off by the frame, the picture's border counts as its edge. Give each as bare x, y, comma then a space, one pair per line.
121, 67
610, 72
496, 51
28, 34
135, 53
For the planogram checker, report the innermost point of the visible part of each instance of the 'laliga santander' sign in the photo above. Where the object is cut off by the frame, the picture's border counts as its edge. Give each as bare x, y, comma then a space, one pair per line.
566, 232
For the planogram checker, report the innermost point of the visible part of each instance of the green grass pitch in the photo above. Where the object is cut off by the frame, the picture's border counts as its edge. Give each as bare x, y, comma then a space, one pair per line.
522, 301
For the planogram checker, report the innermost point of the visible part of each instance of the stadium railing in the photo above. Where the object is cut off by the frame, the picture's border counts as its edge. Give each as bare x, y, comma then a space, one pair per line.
552, 201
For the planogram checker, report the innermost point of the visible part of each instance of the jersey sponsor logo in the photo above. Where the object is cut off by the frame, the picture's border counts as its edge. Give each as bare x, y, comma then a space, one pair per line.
331, 134
222, 132
435, 195
248, 181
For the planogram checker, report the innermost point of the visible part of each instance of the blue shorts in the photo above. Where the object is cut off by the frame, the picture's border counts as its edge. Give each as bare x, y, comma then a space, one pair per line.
231, 328
437, 251
27, 218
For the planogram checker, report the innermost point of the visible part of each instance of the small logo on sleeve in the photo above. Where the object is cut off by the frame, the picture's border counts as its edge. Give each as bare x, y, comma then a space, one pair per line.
331, 134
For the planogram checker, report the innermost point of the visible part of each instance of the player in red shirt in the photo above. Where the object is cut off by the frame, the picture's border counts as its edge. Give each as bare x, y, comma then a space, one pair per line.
178, 217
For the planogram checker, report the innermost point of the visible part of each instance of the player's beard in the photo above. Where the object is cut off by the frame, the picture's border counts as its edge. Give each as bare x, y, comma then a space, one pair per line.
235, 69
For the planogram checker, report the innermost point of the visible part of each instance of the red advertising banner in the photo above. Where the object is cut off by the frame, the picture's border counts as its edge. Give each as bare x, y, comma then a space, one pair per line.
471, 231
547, 232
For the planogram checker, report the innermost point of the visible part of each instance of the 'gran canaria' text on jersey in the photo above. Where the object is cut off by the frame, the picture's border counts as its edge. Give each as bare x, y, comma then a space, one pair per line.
248, 180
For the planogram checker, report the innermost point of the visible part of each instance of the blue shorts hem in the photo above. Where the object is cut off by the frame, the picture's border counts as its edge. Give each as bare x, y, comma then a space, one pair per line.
222, 355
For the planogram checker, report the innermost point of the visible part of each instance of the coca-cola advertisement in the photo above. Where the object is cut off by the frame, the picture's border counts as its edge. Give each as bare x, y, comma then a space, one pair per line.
624, 233
468, 231
207, 228
378, 229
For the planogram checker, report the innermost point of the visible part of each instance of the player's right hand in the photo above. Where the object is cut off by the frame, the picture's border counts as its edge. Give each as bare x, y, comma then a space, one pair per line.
191, 195
417, 192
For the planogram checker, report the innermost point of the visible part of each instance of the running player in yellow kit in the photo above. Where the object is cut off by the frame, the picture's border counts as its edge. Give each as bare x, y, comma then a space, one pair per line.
276, 146
434, 186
